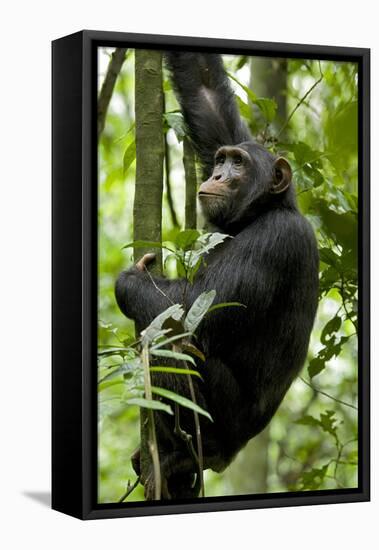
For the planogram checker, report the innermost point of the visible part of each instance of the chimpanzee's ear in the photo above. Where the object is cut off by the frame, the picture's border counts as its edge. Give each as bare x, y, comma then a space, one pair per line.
282, 176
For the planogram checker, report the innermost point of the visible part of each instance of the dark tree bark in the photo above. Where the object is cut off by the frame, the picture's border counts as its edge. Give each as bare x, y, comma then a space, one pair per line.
269, 79
114, 68
147, 210
191, 184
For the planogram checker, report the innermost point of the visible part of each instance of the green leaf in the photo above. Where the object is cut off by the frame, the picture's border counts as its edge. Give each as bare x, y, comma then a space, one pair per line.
172, 355
166, 341
316, 365
109, 384
333, 325
194, 350
250, 94
191, 259
226, 304
268, 107
175, 121
244, 108
146, 244
208, 241
328, 422
308, 420
186, 238
149, 404
303, 153
175, 370
313, 479
342, 132
129, 156
125, 369
183, 401
111, 351
242, 61
198, 309
154, 330
344, 226
328, 256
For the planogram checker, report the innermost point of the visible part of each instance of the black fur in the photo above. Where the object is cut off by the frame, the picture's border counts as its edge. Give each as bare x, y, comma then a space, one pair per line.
271, 266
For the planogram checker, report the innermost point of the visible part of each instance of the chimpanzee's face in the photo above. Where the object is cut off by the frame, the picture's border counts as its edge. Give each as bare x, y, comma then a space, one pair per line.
241, 175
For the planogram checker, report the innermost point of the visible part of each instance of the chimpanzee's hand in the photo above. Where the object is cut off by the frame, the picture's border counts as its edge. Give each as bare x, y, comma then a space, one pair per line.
147, 259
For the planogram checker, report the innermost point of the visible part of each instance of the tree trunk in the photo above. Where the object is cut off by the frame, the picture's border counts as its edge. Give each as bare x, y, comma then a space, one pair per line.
191, 184
147, 210
269, 79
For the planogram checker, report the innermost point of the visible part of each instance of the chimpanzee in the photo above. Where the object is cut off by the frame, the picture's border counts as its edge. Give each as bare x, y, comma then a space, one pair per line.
270, 265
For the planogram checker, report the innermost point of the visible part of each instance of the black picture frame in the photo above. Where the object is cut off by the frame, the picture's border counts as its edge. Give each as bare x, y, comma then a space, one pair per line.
74, 272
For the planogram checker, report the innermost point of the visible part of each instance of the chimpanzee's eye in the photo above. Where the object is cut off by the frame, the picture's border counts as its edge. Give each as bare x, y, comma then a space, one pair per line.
238, 160
220, 159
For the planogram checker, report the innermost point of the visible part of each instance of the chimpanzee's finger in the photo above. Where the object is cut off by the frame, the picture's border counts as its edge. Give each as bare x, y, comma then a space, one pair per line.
145, 261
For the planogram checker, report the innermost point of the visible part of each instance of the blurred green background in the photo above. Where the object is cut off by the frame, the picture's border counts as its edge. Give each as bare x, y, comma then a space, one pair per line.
306, 110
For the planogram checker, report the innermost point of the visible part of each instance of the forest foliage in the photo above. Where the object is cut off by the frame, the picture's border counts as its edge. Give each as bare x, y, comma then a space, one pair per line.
311, 119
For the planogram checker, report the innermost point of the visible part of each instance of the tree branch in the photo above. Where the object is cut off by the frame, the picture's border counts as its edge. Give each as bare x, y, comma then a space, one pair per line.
129, 489
300, 102
328, 395
114, 68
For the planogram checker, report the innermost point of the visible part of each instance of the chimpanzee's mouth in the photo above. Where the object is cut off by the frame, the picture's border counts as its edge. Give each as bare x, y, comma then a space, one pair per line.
202, 194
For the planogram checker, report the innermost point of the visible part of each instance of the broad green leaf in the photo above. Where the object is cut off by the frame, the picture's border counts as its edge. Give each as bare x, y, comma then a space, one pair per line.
109, 384
146, 244
198, 309
244, 108
186, 238
175, 370
154, 330
242, 61
175, 121
308, 420
342, 131
149, 404
328, 422
172, 355
250, 94
333, 325
129, 156
183, 401
316, 365
111, 351
125, 369
268, 107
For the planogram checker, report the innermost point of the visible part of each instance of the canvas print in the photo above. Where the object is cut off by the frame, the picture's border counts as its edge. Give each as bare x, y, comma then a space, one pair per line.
227, 275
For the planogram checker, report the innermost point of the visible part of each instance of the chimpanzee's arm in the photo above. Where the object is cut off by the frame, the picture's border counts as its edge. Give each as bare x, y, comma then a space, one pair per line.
207, 102
142, 297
